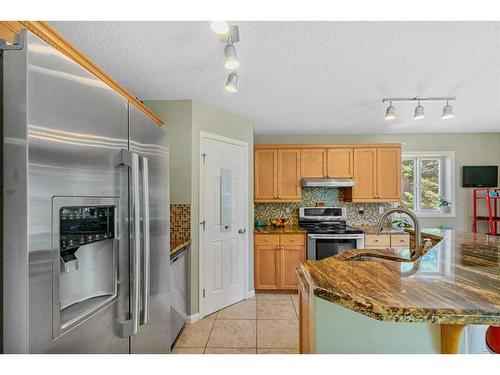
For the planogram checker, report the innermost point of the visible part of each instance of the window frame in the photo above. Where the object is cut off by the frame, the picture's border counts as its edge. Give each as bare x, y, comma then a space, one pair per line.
446, 160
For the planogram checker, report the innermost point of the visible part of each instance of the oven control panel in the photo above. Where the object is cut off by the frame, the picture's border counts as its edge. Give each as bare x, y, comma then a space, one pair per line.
79, 226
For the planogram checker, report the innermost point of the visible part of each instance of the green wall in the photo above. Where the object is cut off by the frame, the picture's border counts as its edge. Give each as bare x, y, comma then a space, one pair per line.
184, 119
177, 115
470, 149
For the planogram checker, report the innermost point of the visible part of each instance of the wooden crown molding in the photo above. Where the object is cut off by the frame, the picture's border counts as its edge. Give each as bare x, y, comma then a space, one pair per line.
8, 30
333, 145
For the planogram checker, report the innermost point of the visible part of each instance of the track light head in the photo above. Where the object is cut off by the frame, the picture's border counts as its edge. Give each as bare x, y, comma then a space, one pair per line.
230, 58
220, 27
447, 112
390, 112
232, 82
419, 112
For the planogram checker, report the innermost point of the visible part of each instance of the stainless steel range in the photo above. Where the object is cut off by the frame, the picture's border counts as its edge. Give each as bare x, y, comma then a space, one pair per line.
327, 232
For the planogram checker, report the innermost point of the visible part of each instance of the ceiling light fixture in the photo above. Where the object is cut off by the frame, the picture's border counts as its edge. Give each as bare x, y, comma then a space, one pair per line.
220, 27
390, 113
447, 112
419, 112
230, 58
229, 34
232, 82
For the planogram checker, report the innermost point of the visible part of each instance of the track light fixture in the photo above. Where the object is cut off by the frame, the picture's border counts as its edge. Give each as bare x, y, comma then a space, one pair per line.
232, 82
219, 27
419, 112
230, 58
228, 34
390, 112
447, 112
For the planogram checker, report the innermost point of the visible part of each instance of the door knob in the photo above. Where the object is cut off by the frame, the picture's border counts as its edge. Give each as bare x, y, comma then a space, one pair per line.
243, 230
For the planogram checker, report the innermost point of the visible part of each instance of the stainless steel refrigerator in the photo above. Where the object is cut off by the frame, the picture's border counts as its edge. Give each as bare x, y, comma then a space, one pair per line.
85, 254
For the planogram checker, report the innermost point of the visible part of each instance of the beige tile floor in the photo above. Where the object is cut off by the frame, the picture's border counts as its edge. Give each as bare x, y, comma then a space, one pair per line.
265, 324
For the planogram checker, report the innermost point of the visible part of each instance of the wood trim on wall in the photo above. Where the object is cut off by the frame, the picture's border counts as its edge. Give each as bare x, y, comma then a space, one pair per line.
310, 145
8, 30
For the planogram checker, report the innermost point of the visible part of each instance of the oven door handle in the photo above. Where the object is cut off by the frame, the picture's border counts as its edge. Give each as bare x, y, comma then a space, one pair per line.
335, 237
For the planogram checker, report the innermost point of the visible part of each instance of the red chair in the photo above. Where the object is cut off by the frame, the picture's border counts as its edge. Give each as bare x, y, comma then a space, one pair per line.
493, 339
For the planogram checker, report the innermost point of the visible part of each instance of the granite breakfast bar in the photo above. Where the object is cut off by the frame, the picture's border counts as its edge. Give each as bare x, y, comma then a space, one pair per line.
355, 303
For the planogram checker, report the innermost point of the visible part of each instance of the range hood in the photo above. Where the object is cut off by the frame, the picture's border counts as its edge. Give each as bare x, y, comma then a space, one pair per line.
327, 182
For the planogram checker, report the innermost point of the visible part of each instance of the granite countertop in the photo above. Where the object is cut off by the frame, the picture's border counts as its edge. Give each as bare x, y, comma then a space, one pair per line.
455, 282
288, 229
175, 248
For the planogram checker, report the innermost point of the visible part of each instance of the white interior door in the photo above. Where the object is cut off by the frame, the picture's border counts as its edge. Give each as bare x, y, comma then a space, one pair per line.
223, 209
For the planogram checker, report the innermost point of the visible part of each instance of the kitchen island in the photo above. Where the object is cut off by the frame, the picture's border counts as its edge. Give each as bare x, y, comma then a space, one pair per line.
355, 303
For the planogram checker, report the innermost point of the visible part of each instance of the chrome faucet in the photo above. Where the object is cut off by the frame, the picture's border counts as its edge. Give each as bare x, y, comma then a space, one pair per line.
416, 225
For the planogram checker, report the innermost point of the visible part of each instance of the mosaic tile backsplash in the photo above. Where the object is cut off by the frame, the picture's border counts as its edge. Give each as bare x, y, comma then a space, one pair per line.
180, 224
312, 196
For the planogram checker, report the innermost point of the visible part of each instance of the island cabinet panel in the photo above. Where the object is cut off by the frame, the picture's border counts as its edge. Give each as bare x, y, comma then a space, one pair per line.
340, 162
266, 266
265, 174
389, 173
365, 165
313, 163
276, 258
289, 174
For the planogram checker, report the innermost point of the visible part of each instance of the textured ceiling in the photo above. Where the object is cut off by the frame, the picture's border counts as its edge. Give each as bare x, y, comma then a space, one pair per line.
311, 77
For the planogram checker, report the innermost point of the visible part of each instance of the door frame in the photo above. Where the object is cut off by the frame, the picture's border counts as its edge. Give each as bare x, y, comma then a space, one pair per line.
201, 234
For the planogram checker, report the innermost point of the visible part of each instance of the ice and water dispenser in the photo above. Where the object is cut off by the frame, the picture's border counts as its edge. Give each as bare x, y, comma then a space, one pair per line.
85, 258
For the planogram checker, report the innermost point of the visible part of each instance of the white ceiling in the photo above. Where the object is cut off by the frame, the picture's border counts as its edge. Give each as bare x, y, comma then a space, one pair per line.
311, 77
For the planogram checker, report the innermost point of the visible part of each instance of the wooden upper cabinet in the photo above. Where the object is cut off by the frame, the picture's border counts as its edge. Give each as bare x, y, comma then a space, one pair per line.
389, 173
289, 174
375, 168
313, 162
339, 162
265, 174
365, 164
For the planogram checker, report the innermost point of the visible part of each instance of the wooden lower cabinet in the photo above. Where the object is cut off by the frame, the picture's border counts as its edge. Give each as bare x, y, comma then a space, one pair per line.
383, 241
290, 257
266, 265
275, 264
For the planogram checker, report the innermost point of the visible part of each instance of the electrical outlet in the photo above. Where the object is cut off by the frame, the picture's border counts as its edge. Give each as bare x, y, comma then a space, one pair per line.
361, 210
288, 210
381, 210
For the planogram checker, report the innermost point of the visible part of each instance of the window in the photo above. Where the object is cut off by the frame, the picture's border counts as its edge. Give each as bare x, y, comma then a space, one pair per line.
428, 182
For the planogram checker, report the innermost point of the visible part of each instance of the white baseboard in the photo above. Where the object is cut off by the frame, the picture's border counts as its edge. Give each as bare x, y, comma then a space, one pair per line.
250, 294
192, 318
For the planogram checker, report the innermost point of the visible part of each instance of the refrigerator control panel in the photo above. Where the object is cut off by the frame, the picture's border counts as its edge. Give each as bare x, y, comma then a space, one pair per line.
79, 226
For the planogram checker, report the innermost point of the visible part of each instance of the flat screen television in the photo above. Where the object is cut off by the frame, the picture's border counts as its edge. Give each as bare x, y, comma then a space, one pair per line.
480, 176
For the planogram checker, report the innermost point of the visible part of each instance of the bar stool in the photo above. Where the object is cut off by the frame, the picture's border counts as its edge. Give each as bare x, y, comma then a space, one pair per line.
493, 339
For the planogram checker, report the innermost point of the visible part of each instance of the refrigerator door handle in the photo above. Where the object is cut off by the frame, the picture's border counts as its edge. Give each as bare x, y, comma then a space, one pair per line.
146, 240
131, 159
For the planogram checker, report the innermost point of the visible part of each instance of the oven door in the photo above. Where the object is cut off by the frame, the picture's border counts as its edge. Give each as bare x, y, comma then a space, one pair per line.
321, 246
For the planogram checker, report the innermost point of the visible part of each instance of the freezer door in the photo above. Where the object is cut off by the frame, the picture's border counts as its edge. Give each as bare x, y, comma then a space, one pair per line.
65, 130
149, 141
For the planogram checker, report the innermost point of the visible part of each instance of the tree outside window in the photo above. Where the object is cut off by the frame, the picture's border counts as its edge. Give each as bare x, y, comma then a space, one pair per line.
425, 180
